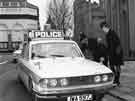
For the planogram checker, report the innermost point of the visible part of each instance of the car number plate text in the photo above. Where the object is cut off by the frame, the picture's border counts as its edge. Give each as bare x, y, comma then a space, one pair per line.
85, 97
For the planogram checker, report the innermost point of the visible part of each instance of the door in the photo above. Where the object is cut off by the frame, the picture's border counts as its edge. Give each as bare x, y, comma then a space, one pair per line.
3, 36
17, 33
23, 69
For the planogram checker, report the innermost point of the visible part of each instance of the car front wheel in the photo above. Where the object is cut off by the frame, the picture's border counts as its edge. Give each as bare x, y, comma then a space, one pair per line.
99, 97
34, 98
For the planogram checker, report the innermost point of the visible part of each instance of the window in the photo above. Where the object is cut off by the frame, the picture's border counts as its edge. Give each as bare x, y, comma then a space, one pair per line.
22, 4
14, 4
46, 50
25, 51
5, 4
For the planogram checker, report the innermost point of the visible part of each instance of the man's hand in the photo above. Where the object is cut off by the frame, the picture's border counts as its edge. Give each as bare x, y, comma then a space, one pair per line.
102, 60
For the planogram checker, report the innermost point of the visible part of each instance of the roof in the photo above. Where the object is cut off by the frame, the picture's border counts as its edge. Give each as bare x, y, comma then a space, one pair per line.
31, 6
12, 0
50, 41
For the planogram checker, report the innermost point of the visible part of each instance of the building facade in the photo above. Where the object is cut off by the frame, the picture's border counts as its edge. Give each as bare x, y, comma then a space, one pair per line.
16, 18
87, 17
80, 11
120, 15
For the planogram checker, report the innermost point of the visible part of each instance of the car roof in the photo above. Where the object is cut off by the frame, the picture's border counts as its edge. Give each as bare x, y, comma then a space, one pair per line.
50, 41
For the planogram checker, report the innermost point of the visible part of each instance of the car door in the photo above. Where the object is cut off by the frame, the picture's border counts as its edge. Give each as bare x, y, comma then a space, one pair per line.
24, 71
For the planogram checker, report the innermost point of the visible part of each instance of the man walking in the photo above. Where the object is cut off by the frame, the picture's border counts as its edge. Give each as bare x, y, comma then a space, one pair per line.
114, 48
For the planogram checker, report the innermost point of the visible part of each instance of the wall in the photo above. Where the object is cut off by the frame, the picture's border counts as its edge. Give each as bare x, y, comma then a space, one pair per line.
132, 25
26, 23
118, 18
80, 18
87, 19
29, 11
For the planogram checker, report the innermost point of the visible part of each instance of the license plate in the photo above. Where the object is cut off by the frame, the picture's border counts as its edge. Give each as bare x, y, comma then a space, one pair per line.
85, 97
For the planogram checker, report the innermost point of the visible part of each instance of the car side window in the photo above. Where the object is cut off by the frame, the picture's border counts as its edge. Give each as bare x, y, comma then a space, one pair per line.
26, 53
22, 54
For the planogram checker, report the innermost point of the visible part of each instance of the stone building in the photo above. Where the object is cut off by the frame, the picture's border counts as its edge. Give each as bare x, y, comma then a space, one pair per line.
87, 17
120, 15
80, 16
16, 18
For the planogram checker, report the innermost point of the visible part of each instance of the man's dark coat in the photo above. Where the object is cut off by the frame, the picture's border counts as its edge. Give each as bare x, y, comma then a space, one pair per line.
115, 52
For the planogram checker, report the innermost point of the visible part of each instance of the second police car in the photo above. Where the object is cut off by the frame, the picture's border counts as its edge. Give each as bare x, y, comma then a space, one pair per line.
56, 69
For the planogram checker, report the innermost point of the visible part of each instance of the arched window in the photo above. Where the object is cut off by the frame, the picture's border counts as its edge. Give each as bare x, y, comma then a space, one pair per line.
5, 4
17, 32
14, 4
3, 36
3, 33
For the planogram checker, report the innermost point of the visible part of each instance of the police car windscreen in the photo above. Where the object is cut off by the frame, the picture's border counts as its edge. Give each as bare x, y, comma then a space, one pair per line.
47, 50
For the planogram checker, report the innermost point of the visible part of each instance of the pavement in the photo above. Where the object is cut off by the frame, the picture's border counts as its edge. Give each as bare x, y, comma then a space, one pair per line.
126, 91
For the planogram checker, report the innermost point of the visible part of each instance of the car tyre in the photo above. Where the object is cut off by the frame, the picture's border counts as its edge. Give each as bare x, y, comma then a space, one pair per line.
19, 79
15, 61
30, 85
18, 76
100, 97
34, 98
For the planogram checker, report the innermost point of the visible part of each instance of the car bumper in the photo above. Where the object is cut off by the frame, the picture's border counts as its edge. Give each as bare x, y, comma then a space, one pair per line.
63, 95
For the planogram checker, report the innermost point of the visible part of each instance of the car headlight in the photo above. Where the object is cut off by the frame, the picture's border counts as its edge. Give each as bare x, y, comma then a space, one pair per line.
97, 79
64, 82
43, 83
53, 82
105, 78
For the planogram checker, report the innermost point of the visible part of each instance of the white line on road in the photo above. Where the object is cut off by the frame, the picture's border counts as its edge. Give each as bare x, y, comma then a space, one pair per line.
3, 62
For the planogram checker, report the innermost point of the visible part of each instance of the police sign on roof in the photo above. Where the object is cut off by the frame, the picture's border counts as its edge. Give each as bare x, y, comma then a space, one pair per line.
46, 34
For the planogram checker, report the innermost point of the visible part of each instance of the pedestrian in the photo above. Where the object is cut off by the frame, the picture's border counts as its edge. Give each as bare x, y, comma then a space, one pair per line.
83, 42
92, 45
114, 49
100, 52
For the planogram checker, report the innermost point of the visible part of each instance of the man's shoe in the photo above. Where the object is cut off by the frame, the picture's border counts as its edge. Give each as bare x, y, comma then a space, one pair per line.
114, 85
118, 84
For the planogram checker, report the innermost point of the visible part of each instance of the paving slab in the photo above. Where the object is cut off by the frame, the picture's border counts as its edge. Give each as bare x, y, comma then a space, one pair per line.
126, 91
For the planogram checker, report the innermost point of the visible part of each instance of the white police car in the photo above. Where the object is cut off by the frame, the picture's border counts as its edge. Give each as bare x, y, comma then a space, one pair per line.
55, 69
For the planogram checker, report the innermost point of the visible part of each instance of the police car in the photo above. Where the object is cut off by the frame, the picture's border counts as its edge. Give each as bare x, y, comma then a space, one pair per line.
52, 68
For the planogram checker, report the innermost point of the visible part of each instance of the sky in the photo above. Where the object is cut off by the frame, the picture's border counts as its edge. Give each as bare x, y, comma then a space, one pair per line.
43, 5
43, 8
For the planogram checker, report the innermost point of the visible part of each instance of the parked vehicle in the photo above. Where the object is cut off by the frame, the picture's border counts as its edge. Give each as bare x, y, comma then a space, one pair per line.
52, 68
16, 55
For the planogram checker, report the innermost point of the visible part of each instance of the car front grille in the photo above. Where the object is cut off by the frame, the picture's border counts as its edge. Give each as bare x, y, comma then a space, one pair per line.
77, 81
86, 80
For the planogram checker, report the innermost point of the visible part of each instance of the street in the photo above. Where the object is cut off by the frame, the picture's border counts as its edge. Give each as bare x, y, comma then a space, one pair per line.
11, 90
